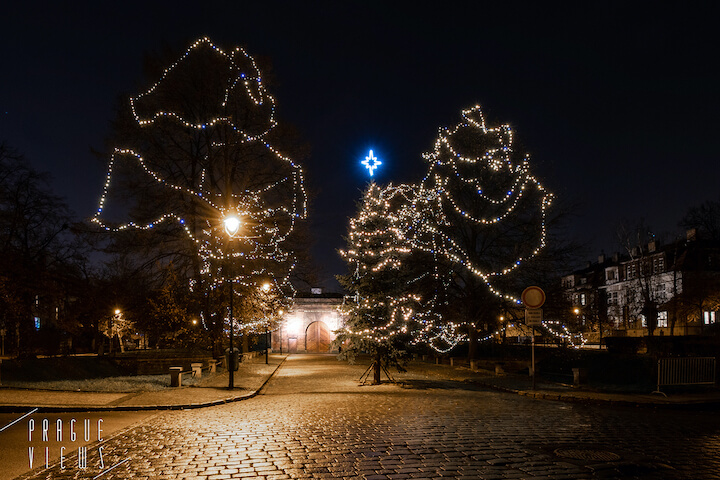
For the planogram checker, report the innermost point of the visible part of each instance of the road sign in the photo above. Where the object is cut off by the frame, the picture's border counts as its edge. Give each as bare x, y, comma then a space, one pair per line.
533, 317
533, 297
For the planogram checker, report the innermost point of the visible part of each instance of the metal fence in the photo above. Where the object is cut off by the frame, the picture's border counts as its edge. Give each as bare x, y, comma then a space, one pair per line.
686, 371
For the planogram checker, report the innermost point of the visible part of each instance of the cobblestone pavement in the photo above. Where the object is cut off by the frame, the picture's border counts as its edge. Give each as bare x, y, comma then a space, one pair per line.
314, 421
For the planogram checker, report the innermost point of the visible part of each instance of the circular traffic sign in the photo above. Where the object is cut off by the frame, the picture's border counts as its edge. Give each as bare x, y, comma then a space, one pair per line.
533, 297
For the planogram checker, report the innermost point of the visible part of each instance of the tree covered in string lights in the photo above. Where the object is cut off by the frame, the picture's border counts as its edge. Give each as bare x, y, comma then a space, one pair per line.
378, 276
200, 144
457, 246
489, 216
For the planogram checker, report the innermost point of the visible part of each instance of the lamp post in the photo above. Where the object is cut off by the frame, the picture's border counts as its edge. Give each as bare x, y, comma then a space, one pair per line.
232, 227
266, 289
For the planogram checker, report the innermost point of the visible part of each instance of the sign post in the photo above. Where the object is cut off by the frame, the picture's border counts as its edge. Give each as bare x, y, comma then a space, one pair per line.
533, 298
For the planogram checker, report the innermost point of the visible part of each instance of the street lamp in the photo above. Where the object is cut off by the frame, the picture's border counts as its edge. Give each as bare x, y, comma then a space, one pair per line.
232, 227
266, 288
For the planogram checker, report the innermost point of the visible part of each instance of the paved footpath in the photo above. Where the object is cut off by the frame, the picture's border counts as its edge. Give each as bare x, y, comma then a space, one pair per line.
312, 420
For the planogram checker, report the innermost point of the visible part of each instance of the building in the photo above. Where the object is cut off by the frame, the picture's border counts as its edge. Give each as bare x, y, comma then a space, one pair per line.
654, 289
309, 326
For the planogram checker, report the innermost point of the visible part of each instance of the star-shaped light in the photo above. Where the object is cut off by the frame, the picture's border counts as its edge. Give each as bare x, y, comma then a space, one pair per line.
371, 163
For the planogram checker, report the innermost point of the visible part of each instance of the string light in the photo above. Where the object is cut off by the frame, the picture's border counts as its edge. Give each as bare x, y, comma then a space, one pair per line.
267, 211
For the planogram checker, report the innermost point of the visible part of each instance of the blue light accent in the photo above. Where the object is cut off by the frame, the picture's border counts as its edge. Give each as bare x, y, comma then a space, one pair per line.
371, 163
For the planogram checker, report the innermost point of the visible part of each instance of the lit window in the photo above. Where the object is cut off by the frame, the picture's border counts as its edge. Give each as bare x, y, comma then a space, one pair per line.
37, 323
709, 318
662, 320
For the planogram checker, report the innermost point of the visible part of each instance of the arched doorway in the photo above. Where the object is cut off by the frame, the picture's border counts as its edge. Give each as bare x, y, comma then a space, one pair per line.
317, 338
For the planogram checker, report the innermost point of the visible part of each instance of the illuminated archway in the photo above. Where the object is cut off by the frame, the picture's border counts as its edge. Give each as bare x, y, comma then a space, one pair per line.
318, 338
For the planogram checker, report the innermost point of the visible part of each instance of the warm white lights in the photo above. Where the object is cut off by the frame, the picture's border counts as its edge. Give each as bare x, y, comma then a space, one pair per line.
230, 180
474, 183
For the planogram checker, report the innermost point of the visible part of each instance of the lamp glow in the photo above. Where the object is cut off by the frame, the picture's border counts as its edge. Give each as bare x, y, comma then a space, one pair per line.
232, 225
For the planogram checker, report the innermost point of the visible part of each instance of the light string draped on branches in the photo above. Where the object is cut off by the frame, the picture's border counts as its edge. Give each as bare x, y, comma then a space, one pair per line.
427, 221
268, 202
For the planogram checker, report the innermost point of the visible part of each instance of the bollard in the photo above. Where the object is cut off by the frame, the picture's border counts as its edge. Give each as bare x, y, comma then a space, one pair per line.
452, 361
579, 376
196, 369
175, 376
437, 360
473, 365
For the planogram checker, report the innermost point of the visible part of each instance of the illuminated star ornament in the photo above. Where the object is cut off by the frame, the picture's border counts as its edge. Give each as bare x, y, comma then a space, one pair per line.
371, 163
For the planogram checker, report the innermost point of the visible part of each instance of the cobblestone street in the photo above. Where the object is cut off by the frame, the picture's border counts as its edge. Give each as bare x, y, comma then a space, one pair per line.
313, 421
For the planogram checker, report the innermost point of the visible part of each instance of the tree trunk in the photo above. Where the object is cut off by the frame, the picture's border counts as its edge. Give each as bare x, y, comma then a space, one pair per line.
376, 369
472, 342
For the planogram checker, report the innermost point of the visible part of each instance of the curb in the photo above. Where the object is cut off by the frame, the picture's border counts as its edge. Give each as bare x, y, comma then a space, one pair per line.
138, 408
539, 395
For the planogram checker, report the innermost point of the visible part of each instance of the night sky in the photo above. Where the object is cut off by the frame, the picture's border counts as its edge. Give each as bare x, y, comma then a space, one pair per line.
618, 106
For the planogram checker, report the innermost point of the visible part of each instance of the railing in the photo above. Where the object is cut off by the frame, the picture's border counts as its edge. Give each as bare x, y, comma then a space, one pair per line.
685, 371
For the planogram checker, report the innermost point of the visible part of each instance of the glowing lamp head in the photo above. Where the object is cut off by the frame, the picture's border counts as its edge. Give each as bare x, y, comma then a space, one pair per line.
265, 287
117, 311
232, 224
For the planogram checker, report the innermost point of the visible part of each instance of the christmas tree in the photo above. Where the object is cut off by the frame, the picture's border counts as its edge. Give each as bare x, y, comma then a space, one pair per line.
380, 311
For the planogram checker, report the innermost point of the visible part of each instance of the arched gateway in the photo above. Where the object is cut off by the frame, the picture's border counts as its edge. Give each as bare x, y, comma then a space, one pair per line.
318, 337
309, 325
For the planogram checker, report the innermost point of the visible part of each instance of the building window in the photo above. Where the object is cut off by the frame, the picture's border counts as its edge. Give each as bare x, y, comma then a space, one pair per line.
613, 298
662, 320
611, 275
631, 271
709, 318
583, 299
37, 323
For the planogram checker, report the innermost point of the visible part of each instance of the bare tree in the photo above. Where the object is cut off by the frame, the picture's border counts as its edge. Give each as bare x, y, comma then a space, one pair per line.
202, 144
36, 246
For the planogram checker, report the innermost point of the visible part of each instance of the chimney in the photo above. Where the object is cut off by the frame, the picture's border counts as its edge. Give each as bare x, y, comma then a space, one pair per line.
601, 258
652, 246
